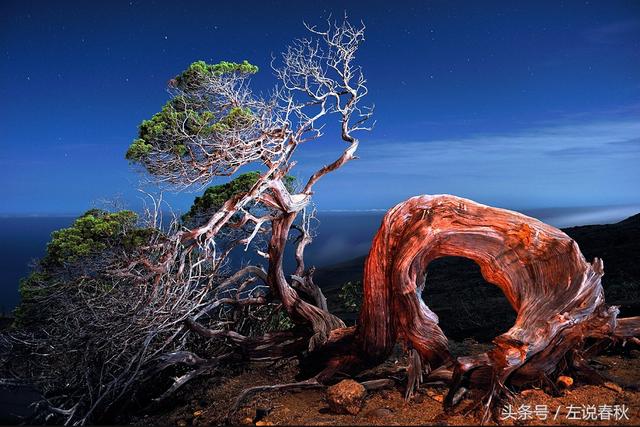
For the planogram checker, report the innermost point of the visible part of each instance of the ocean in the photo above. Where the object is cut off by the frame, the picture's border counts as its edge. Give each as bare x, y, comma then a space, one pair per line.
340, 236
24, 239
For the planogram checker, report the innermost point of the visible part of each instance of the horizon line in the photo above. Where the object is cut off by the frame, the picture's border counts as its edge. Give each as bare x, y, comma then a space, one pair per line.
372, 210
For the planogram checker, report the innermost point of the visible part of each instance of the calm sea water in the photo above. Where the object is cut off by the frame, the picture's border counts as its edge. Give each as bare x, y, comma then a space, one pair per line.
340, 236
23, 241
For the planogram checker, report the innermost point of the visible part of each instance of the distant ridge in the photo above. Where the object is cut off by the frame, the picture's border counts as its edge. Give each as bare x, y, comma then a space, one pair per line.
632, 220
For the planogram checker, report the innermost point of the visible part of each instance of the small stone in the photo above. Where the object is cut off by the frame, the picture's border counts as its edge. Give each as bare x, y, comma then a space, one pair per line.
261, 413
439, 398
346, 397
613, 386
564, 381
197, 413
378, 413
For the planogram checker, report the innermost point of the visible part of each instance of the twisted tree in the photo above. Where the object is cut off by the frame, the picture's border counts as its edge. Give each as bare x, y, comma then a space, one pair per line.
123, 314
213, 125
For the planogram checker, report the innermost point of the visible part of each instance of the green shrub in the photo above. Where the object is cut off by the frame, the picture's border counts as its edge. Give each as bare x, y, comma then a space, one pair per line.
75, 256
351, 296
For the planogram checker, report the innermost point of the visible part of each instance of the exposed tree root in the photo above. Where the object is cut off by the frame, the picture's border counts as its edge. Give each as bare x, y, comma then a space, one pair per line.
415, 373
271, 346
311, 383
556, 293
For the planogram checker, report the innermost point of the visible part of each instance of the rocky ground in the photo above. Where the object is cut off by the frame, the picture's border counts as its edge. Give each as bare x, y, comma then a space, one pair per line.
479, 310
206, 402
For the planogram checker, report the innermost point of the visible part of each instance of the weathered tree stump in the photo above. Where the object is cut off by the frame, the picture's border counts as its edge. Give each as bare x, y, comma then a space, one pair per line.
556, 293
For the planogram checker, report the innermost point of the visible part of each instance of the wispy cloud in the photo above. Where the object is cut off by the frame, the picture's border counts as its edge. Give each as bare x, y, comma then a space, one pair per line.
613, 32
579, 141
551, 165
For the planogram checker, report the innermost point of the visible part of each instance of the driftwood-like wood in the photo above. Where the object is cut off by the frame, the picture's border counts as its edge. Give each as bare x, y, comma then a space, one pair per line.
562, 318
556, 293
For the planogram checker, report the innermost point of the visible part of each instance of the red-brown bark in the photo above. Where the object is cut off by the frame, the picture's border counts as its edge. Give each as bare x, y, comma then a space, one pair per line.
321, 321
556, 293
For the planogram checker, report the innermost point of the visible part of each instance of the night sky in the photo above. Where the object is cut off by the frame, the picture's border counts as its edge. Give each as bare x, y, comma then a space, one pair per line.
513, 104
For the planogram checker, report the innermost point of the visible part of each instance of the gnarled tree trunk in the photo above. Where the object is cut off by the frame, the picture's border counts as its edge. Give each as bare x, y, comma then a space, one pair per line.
556, 293
321, 321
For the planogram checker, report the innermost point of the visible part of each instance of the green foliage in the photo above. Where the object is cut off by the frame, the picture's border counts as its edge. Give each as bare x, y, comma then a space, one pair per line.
215, 196
68, 255
199, 71
92, 233
189, 114
195, 124
225, 67
159, 132
138, 149
236, 118
27, 291
351, 296
281, 322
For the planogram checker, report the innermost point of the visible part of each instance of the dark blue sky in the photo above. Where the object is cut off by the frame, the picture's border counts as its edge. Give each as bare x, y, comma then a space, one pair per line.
518, 104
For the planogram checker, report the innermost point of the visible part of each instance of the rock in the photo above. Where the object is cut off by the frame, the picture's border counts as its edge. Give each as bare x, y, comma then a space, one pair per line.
197, 413
613, 386
378, 413
261, 413
564, 381
346, 397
